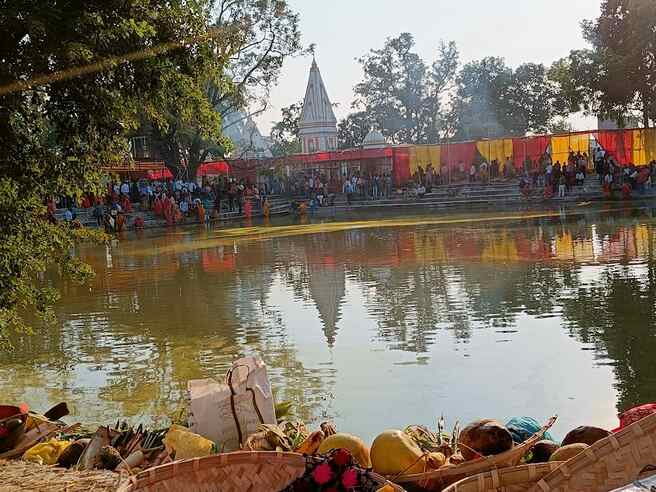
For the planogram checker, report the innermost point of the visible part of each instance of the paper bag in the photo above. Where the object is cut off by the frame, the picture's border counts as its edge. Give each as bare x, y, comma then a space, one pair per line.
230, 411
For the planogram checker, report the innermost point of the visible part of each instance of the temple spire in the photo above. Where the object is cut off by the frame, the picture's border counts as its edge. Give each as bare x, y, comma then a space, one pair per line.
318, 125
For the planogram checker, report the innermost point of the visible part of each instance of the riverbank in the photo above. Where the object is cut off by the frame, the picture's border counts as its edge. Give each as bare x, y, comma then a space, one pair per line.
466, 197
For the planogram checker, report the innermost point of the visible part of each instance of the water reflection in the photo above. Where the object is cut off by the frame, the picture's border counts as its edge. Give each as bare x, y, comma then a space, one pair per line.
473, 319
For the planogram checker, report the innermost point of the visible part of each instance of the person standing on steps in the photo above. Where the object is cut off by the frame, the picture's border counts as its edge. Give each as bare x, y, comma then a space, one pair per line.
561, 187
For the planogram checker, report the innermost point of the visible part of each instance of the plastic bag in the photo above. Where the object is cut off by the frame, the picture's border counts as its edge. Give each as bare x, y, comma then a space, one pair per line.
46, 453
522, 428
227, 413
186, 444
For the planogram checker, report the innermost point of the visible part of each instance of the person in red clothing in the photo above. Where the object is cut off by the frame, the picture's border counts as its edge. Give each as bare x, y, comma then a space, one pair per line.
167, 208
125, 203
158, 207
139, 222
200, 211
248, 208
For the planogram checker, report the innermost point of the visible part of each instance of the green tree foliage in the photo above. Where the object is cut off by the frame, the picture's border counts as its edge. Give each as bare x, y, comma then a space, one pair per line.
259, 36
403, 95
352, 129
56, 131
285, 132
615, 77
493, 100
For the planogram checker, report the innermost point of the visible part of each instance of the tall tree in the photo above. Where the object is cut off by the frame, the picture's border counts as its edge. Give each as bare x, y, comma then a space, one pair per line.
259, 36
615, 78
75, 77
401, 93
625, 36
479, 98
285, 132
493, 100
352, 130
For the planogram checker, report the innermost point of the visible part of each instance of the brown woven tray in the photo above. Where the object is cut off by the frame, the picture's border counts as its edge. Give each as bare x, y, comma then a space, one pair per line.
514, 479
256, 471
437, 480
608, 464
22, 476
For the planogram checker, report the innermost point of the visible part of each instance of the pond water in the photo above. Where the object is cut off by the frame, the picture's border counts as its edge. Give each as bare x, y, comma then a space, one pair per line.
375, 324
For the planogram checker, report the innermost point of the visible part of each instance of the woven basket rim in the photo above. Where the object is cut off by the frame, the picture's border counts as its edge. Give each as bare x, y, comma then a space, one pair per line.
479, 465
500, 477
600, 450
170, 470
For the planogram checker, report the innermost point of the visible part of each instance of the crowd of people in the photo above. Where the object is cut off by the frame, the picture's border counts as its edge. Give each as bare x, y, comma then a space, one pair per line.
175, 201
543, 175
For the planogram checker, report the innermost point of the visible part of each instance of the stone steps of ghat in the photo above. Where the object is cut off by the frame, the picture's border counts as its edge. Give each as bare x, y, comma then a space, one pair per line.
592, 193
150, 220
84, 213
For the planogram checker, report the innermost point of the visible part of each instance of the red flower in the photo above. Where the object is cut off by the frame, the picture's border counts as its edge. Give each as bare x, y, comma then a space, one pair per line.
350, 478
342, 457
322, 474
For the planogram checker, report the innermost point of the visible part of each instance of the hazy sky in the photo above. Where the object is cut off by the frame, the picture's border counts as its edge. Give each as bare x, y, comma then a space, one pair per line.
518, 30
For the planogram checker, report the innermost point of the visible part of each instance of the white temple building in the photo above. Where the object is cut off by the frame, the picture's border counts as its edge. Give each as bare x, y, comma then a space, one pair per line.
246, 137
318, 125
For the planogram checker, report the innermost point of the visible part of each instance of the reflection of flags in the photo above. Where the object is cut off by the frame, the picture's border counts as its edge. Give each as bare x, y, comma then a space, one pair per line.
500, 249
214, 262
461, 245
564, 246
583, 250
642, 240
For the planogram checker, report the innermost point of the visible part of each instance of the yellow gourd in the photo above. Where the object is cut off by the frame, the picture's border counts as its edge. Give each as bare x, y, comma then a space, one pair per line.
394, 452
353, 444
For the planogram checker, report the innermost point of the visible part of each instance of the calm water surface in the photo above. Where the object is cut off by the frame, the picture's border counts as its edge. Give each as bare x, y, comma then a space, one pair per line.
376, 325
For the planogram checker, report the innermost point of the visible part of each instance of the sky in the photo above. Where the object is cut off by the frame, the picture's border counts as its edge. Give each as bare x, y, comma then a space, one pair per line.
539, 31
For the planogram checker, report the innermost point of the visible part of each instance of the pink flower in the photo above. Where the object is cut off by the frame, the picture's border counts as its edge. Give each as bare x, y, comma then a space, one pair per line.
342, 457
322, 474
350, 478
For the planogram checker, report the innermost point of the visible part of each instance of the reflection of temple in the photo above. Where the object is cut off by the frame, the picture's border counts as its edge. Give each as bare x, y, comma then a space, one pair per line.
327, 289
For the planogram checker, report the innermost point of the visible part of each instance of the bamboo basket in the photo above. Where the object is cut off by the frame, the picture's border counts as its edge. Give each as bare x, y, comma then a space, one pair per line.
608, 464
437, 480
514, 479
256, 471
22, 476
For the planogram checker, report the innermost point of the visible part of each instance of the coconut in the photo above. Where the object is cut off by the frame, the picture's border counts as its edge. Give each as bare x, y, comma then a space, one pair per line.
543, 450
564, 453
585, 434
484, 437
109, 458
71, 455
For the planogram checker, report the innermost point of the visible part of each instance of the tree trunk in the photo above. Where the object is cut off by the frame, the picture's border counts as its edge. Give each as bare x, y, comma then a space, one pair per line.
645, 117
645, 107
